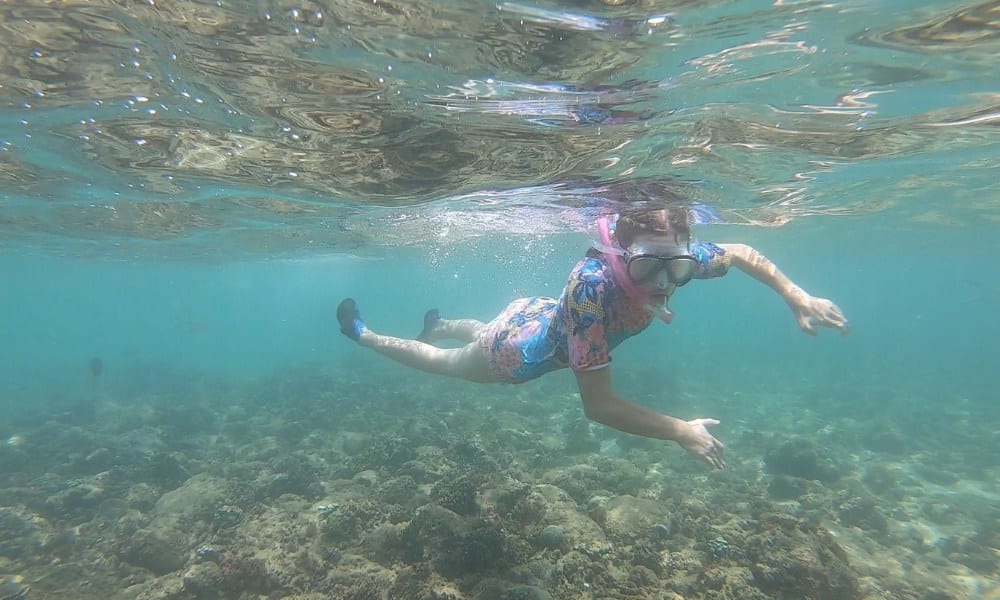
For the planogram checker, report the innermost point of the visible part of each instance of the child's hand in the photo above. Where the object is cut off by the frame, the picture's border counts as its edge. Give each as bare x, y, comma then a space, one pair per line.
811, 311
698, 441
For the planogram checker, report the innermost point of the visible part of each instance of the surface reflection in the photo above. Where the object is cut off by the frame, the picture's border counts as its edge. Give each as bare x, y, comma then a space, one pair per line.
150, 108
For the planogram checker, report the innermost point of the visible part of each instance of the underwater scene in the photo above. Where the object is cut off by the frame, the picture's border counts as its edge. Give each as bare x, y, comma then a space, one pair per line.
310, 299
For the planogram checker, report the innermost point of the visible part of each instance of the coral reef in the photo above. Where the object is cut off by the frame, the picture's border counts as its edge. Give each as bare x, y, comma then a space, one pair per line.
262, 504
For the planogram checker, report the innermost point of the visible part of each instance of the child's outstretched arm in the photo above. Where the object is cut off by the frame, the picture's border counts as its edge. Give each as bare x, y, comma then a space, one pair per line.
603, 405
810, 311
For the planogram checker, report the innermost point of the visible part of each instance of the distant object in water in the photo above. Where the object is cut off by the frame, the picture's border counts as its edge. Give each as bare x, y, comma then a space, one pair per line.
96, 366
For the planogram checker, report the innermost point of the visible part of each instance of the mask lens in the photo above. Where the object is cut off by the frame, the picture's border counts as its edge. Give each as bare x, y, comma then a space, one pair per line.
680, 269
642, 268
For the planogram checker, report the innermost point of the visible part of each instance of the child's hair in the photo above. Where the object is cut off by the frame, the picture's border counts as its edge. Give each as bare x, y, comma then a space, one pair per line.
673, 219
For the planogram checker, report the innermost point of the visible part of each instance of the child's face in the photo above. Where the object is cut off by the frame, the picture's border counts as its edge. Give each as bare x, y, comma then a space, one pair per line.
659, 264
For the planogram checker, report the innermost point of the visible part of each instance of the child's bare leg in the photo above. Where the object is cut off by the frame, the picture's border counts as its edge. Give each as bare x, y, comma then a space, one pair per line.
436, 328
463, 330
468, 362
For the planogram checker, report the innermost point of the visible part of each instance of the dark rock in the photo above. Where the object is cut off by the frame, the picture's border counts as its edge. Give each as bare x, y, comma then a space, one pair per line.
470, 455
976, 551
99, 460
536, 572
166, 469
245, 574
483, 549
288, 475
160, 551
495, 589
783, 487
12, 588
801, 458
646, 555
16, 533
204, 580
208, 554
227, 516
401, 490
12, 458
863, 513
881, 480
78, 496
62, 543
791, 559
641, 576
385, 454
552, 537
432, 527
456, 549
458, 494
342, 522
525, 592
141, 496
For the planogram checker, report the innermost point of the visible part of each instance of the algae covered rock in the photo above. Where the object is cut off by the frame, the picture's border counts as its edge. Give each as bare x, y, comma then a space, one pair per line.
802, 458
552, 537
177, 519
432, 527
783, 487
628, 517
579, 529
455, 546
204, 580
160, 550
791, 559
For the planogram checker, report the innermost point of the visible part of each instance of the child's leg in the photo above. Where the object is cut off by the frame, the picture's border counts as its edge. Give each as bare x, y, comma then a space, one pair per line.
463, 330
468, 362
436, 328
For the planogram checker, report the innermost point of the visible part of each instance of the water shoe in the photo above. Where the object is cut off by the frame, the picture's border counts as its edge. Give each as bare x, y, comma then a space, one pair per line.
349, 318
431, 319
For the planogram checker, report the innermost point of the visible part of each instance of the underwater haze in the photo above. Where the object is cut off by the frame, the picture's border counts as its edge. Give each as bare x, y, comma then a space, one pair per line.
189, 188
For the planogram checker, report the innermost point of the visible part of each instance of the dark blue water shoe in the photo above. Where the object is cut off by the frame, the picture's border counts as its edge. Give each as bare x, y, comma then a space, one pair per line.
349, 318
431, 319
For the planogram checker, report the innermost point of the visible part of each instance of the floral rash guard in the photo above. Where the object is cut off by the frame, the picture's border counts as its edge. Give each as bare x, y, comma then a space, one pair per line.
533, 336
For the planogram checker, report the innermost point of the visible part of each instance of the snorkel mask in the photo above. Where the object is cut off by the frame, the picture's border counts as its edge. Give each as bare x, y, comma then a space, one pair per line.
678, 265
620, 263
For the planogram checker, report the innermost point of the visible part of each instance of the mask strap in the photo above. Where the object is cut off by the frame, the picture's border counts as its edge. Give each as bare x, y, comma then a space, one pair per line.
614, 254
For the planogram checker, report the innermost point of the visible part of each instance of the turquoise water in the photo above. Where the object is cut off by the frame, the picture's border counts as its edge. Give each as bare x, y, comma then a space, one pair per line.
188, 189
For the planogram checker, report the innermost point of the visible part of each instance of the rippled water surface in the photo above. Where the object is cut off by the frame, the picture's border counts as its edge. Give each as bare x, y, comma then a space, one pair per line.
288, 128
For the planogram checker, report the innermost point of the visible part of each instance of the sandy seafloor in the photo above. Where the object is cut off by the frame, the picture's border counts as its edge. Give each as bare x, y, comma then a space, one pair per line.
335, 483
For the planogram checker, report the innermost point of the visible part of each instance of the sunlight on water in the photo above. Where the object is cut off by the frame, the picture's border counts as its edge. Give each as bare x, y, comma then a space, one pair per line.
165, 121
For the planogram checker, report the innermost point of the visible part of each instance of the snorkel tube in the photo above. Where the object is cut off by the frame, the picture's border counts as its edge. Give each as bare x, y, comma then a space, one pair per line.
619, 273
